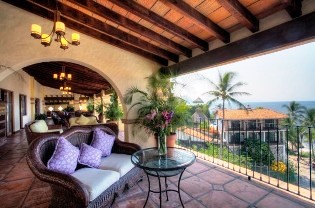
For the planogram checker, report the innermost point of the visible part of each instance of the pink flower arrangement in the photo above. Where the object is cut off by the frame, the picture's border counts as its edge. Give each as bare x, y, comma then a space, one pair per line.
157, 122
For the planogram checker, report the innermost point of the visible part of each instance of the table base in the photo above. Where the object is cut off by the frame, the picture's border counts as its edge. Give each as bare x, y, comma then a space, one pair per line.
164, 175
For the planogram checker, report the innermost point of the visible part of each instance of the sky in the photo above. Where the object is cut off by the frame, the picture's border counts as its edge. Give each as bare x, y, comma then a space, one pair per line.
285, 75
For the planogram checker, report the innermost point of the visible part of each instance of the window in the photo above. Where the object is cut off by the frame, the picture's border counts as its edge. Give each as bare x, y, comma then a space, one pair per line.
270, 123
251, 125
23, 105
235, 125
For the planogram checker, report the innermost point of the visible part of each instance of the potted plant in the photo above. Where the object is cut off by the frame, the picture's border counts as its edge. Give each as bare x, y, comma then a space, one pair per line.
90, 105
154, 110
40, 116
113, 111
181, 118
100, 108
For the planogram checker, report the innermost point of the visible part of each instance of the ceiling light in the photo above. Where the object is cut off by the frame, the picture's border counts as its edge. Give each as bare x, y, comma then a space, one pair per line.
59, 29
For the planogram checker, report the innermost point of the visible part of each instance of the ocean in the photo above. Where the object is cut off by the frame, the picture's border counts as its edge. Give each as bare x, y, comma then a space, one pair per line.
278, 106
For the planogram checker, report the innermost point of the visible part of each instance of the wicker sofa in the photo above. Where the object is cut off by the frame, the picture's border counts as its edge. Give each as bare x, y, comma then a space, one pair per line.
71, 191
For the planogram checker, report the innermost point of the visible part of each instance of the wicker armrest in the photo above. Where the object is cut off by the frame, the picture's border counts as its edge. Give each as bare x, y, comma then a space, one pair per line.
69, 183
58, 126
125, 147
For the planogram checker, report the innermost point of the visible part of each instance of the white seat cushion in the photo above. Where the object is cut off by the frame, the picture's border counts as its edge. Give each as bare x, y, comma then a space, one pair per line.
96, 181
117, 162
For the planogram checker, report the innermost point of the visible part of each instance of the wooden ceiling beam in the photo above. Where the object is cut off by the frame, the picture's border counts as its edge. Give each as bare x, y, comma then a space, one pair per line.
127, 23
73, 14
48, 14
289, 33
46, 70
198, 19
294, 7
241, 13
159, 21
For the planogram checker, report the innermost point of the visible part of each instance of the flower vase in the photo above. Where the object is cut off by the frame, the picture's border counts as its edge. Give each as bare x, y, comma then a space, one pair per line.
162, 149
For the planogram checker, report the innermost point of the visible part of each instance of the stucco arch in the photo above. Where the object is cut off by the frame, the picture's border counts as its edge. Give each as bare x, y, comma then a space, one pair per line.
19, 66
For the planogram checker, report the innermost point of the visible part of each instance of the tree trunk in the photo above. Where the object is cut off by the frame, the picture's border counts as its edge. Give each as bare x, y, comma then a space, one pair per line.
221, 140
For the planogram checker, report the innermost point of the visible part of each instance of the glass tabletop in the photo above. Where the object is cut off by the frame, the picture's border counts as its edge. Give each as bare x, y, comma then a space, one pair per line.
176, 159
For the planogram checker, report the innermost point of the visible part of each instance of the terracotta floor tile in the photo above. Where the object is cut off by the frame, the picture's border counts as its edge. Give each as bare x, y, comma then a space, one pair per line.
44, 205
12, 200
38, 196
197, 168
39, 184
135, 202
214, 176
194, 204
195, 186
13, 156
173, 197
6, 168
8, 161
246, 191
20, 171
274, 201
215, 199
174, 179
15, 186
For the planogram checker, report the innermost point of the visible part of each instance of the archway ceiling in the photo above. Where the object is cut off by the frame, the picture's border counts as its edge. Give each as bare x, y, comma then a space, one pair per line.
84, 80
160, 30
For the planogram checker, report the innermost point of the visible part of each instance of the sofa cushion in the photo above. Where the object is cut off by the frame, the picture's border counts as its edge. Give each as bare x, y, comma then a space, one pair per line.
65, 157
39, 126
92, 120
117, 162
103, 142
73, 121
82, 120
96, 181
89, 156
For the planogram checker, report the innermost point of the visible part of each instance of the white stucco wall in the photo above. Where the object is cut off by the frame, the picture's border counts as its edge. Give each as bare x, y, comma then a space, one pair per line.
18, 49
19, 83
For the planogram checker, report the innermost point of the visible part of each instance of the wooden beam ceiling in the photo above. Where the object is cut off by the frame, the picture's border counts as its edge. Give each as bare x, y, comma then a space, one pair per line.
89, 22
155, 19
84, 81
294, 7
127, 23
243, 15
198, 18
297, 30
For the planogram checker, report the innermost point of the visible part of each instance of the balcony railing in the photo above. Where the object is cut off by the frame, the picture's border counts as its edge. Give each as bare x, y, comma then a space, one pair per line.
282, 156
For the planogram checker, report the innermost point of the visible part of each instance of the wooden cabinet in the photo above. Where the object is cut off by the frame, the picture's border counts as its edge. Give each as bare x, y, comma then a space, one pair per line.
3, 129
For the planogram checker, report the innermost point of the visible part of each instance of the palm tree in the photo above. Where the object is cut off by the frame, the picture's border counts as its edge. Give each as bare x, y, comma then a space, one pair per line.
295, 112
309, 123
225, 90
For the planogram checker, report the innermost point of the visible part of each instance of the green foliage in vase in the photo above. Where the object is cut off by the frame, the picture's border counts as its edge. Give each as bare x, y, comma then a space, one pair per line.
40, 116
90, 105
112, 110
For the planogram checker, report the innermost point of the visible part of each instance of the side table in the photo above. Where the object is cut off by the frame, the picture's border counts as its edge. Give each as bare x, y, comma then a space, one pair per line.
162, 166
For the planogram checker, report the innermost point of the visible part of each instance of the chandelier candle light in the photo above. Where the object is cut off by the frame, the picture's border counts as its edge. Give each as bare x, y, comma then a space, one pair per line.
64, 77
60, 29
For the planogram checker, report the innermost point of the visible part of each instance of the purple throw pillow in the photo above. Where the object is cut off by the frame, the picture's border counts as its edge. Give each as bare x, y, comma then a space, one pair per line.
90, 156
103, 142
65, 157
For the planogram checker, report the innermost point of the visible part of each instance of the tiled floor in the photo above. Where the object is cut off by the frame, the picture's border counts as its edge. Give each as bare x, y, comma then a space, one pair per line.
203, 185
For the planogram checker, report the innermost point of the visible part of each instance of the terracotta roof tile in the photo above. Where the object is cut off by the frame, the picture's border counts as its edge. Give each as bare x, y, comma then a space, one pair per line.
252, 114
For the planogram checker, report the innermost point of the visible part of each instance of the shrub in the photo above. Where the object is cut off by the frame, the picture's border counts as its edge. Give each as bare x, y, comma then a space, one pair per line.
278, 167
252, 147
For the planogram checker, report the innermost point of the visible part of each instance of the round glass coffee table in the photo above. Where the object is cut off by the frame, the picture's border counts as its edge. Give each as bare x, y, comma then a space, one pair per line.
162, 166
